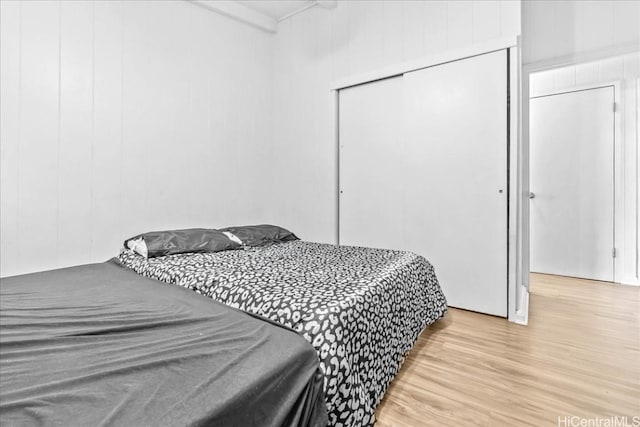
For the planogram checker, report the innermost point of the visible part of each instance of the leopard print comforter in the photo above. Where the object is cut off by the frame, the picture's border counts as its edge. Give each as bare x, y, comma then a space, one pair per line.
361, 308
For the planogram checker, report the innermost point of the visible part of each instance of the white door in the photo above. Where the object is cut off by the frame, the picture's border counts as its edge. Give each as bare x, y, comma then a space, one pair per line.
371, 199
456, 131
572, 181
423, 167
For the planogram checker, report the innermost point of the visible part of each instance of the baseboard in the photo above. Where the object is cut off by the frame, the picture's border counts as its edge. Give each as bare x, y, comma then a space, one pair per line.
631, 281
522, 315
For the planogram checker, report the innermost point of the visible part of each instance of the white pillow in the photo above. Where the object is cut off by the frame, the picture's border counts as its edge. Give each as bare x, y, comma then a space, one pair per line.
233, 237
138, 246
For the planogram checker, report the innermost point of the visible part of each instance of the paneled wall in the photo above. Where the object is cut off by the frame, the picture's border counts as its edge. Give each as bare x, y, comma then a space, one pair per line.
318, 46
563, 28
626, 70
124, 116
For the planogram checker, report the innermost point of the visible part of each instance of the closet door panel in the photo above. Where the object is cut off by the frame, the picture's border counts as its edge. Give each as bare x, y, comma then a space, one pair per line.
455, 124
371, 164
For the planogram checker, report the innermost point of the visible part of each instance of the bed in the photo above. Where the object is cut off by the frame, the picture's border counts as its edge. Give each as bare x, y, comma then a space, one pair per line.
362, 309
100, 345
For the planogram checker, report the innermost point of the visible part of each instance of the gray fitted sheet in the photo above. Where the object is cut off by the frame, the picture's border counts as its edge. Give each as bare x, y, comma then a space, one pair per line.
101, 345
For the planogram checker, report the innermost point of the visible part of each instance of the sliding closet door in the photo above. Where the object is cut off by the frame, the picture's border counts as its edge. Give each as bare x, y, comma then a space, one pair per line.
371, 136
456, 136
423, 167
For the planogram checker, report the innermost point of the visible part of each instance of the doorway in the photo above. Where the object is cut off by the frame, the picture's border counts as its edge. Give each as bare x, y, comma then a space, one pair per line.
572, 178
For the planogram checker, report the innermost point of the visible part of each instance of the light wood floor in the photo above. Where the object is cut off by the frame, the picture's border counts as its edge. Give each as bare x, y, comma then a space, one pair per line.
579, 356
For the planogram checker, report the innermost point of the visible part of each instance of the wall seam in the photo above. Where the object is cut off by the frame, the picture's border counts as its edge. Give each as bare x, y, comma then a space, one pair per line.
93, 127
122, 169
19, 142
57, 255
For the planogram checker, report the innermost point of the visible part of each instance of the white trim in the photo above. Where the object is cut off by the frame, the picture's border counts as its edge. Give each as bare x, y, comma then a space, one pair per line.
522, 315
429, 61
325, 4
297, 11
618, 166
240, 13
513, 179
580, 58
637, 278
522, 191
619, 189
630, 281
524, 180
578, 88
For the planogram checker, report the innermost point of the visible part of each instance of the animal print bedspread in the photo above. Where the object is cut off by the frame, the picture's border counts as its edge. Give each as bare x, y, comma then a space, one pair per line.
361, 308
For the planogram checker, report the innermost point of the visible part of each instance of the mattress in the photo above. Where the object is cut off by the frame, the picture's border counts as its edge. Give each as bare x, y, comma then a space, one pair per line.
100, 345
362, 309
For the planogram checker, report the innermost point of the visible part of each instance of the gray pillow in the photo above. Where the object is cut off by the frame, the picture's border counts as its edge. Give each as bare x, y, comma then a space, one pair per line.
260, 235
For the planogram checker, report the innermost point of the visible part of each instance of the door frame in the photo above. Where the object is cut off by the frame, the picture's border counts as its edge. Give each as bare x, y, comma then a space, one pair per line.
618, 160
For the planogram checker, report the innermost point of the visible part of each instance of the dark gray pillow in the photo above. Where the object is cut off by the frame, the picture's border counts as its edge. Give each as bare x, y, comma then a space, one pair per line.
260, 235
171, 242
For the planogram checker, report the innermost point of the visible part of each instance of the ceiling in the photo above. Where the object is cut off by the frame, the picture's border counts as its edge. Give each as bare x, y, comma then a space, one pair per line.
275, 9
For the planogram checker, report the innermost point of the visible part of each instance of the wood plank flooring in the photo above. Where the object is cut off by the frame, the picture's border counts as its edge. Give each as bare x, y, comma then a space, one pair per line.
579, 356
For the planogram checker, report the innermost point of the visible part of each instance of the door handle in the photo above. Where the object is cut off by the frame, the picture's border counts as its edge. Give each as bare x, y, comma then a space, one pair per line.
532, 195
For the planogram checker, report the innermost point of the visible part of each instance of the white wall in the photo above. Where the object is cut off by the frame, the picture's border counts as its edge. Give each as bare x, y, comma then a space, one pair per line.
626, 70
120, 117
318, 46
553, 29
